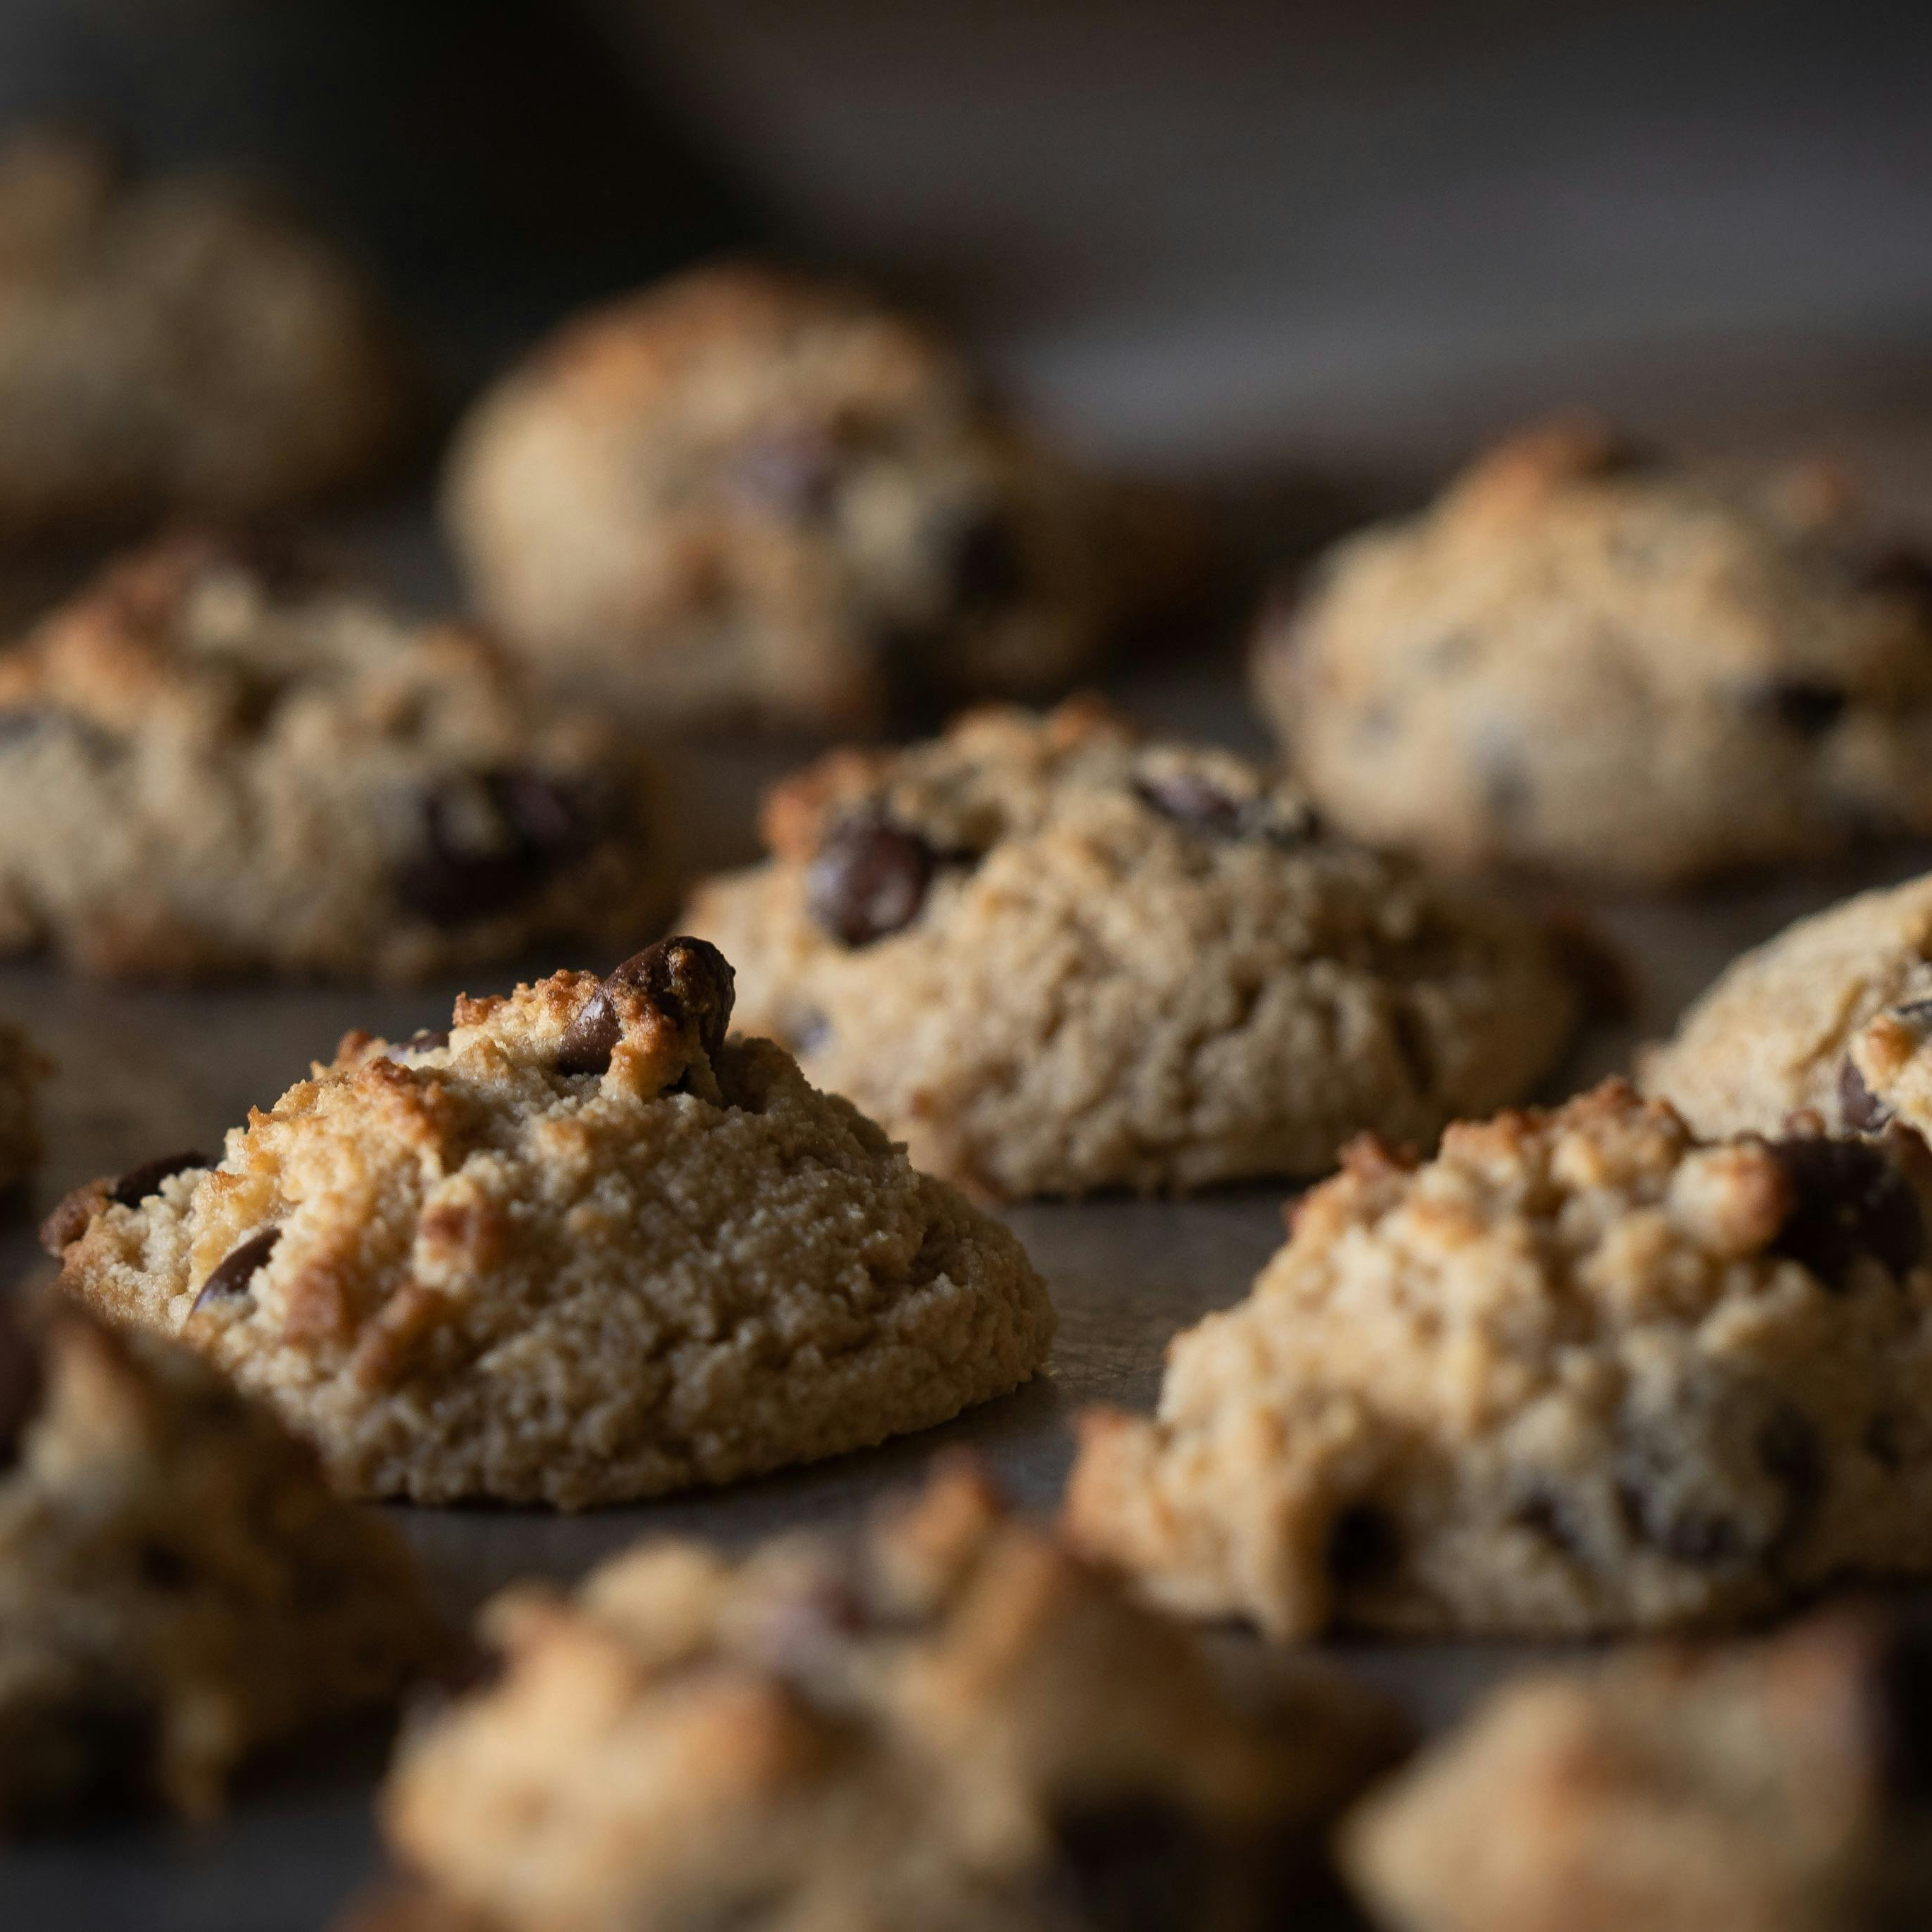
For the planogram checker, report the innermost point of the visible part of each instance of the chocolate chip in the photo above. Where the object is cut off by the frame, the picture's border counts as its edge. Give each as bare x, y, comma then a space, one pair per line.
232, 1273
162, 1566
1191, 800
1788, 1452
1851, 1202
490, 842
1363, 1545
1860, 1106
21, 1384
869, 879
1915, 1013
688, 980
985, 565
1545, 1514
794, 471
1900, 1699
18, 725
1703, 1538
1809, 706
138, 1183
425, 1039
1137, 1864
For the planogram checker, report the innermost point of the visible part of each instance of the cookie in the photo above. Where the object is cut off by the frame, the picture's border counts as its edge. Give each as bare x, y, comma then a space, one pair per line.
577, 1249
1581, 1372
178, 1587
1579, 661
185, 345
742, 492
947, 1722
1769, 1040
214, 760
1052, 958
1778, 1787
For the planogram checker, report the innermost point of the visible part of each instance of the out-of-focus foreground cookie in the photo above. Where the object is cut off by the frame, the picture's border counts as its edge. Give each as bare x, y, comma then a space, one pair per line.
1580, 1372
743, 491
577, 1249
185, 345
1771, 1038
1784, 1787
948, 1723
1581, 660
178, 1587
219, 759
1052, 958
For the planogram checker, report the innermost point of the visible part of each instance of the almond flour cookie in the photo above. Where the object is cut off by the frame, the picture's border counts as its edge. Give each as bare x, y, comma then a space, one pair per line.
1581, 1373
948, 1724
213, 760
576, 1250
178, 1587
185, 345
741, 491
1576, 661
1780, 1787
1770, 1038
1052, 958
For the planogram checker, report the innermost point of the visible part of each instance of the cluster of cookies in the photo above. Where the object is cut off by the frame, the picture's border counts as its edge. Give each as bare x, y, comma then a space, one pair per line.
1658, 1359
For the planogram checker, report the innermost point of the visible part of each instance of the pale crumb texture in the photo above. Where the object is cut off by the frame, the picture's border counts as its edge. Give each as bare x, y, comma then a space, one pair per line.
1772, 1787
947, 1722
490, 1276
1053, 958
1771, 1037
178, 1586
1584, 660
1580, 1373
183, 345
742, 491
220, 757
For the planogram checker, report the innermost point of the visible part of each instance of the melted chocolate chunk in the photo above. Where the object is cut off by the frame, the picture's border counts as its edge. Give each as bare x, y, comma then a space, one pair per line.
688, 980
1138, 1864
492, 842
1861, 1107
425, 1039
1191, 800
232, 1275
21, 1384
1851, 1201
793, 472
1363, 1545
1809, 706
869, 881
138, 1183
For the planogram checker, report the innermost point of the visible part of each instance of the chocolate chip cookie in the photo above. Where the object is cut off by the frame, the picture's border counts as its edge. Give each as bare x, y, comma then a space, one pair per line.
216, 759
184, 344
1780, 1787
745, 492
1052, 958
1581, 1373
948, 1723
1771, 1038
178, 1587
1586, 661
578, 1249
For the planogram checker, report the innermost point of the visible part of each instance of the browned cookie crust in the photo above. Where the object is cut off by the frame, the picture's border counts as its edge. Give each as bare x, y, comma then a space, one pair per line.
178, 1587
183, 345
745, 491
1580, 1372
579, 1249
949, 1724
217, 760
1582, 660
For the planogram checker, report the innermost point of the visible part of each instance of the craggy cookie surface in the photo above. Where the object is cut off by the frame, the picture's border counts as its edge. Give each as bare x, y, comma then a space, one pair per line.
178, 1587
1778, 1787
218, 760
1612, 667
745, 492
948, 1723
1053, 958
185, 345
577, 1249
1580, 1372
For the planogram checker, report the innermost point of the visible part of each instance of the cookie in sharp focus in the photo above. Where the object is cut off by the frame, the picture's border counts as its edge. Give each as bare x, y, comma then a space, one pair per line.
1581, 660
579, 1249
218, 759
179, 1588
1054, 957
1779, 1786
944, 1720
181, 345
745, 492
1581, 1372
